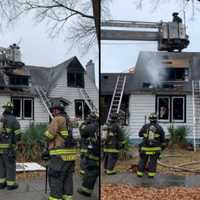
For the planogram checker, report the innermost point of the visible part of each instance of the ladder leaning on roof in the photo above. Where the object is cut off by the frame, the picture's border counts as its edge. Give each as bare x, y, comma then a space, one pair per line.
88, 100
44, 99
117, 95
196, 110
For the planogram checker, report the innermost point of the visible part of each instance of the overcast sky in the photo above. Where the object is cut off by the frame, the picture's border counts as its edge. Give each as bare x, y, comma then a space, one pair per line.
119, 56
40, 50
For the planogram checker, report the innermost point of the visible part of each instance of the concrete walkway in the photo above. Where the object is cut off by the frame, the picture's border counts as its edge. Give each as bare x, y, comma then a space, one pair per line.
34, 190
159, 180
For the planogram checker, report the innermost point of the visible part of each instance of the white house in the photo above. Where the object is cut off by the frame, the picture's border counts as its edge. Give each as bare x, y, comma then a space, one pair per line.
163, 82
63, 82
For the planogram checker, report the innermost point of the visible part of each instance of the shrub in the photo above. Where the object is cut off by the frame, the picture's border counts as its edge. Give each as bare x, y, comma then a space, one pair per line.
178, 135
32, 142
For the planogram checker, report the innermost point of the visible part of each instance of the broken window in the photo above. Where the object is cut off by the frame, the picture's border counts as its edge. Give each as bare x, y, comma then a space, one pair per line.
23, 107
171, 108
81, 109
75, 79
17, 107
163, 105
28, 108
176, 74
18, 80
178, 109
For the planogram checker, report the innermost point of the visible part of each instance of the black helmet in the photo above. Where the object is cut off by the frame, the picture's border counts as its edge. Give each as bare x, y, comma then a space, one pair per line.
175, 14
153, 117
114, 116
58, 105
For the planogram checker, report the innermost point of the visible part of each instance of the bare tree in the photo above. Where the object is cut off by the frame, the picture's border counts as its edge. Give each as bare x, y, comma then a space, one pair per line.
156, 3
80, 16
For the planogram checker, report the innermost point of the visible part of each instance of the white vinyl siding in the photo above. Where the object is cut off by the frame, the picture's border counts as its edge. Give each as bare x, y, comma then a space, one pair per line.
71, 94
142, 105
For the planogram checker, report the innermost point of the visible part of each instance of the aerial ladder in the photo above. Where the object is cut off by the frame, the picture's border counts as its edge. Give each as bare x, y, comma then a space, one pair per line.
170, 36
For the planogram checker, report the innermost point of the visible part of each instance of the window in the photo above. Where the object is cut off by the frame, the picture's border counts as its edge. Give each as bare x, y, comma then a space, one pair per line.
17, 107
28, 108
171, 108
75, 79
178, 109
163, 107
23, 107
81, 109
176, 74
18, 80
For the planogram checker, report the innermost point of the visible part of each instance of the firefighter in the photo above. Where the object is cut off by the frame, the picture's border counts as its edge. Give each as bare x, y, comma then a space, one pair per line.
176, 18
10, 134
83, 147
90, 132
151, 146
114, 141
62, 153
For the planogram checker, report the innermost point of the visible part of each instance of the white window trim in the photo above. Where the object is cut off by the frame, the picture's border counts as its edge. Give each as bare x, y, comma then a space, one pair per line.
164, 120
24, 99
172, 109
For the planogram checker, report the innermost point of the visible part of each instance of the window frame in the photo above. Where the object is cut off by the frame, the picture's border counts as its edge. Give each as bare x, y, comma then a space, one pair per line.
17, 78
171, 120
83, 104
76, 73
169, 110
172, 108
22, 109
32, 108
21, 112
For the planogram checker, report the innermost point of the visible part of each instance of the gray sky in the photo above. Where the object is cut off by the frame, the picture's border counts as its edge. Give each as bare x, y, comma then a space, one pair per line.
117, 56
40, 50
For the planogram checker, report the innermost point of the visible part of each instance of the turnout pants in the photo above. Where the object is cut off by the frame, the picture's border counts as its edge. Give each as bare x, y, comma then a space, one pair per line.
60, 174
147, 162
82, 162
110, 160
91, 175
8, 167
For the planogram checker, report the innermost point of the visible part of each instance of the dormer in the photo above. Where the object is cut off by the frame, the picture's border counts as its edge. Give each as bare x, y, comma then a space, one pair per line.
75, 74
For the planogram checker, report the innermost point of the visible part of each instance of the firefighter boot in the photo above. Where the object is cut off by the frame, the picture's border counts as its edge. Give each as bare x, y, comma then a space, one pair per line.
2, 186
12, 187
84, 191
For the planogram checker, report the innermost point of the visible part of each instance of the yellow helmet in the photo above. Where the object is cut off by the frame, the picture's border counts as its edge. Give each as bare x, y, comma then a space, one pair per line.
8, 104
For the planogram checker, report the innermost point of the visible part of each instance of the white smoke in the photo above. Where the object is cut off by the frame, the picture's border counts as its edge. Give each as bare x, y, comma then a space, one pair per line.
155, 69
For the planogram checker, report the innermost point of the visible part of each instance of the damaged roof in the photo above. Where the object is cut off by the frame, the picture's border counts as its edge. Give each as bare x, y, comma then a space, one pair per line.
45, 77
147, 71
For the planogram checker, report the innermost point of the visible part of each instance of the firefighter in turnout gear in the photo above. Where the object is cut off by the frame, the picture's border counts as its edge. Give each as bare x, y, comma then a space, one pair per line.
62, 153
90, 132
114, 141
83, 147
176, 18
151, 146
10, 134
